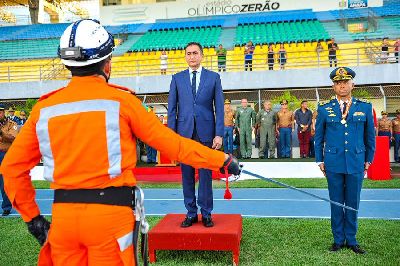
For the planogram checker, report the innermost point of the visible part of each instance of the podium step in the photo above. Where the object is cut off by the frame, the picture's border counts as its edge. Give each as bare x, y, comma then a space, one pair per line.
224, 236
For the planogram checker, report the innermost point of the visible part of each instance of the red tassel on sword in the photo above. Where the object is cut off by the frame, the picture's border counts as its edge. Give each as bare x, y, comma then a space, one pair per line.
228, 194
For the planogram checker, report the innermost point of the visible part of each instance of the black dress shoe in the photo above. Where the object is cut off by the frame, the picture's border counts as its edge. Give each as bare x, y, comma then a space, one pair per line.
357, 249
189, 221
336, 247
207, 222
6, 213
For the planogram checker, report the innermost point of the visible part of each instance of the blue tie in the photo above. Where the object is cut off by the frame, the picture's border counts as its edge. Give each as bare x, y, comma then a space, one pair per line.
194, 84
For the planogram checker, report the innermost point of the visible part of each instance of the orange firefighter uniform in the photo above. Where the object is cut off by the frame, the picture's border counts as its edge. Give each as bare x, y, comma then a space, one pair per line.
86, 134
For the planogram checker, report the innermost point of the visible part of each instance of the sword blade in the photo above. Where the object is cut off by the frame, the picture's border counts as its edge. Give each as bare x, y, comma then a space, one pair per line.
297, 189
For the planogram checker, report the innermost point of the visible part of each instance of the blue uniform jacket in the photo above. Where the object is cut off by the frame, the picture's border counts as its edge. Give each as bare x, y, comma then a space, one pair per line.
184, 110
344, 148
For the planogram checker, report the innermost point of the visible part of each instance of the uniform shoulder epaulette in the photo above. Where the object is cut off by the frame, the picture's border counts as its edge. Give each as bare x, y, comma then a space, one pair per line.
322, 103
47, 95
362, 100
118, 87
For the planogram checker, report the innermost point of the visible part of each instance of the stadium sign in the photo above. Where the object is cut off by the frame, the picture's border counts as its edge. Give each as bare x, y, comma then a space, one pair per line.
149, 13
226, 7
358, 3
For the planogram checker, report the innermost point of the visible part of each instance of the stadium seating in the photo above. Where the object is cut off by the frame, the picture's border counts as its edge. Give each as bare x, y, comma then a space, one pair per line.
281, 32
177, 39
387, 27
188, 24
25, 49
29, 70
389, 8
279, 16
47, 31
299, 55
139, 47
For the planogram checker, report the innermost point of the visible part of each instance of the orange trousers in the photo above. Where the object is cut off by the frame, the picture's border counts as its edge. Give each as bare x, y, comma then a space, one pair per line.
89, 234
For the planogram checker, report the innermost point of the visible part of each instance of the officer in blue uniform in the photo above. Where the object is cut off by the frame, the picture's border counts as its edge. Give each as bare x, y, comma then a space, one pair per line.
344, 149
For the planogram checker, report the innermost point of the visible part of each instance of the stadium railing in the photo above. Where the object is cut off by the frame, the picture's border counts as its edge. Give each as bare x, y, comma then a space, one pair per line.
125, 66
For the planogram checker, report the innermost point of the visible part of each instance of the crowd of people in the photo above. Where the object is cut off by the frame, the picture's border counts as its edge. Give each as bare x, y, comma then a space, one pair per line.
10, 124
19, 119
273, 56
386, 48
271, 129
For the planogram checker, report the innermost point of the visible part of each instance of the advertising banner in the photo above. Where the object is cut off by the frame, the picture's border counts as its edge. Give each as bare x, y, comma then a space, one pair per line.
357, 3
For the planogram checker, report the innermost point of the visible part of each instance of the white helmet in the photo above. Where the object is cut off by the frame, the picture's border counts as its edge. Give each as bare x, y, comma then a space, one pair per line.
85, 42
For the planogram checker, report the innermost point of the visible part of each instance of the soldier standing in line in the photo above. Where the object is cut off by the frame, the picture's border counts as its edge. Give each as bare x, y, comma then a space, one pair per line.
344, 150
284, 128
396, 135
245, 121
229, 116
266, 120
385, 126
8, 132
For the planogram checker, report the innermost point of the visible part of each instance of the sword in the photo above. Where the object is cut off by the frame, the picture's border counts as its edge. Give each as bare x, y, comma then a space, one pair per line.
141, 226
297, 189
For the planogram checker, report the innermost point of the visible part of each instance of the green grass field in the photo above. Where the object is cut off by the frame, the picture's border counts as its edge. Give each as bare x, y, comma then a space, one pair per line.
264, 242
297, 182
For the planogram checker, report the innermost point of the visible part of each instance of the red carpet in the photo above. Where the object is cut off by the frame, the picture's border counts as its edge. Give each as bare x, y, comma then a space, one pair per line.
225, 235
163, 174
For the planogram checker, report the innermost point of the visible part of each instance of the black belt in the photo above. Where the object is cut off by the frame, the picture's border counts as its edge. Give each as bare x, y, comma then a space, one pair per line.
120, 196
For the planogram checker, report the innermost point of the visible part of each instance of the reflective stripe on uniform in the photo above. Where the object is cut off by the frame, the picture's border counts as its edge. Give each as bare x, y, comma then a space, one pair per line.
111, 108
125, 241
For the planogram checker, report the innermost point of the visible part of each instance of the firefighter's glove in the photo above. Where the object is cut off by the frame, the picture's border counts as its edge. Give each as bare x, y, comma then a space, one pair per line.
39, 228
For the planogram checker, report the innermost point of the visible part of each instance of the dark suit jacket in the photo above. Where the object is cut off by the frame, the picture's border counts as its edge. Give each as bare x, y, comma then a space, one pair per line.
207, 108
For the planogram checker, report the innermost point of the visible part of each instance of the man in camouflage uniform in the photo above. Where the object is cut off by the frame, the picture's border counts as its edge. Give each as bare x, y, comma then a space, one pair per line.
245, 121
266, 120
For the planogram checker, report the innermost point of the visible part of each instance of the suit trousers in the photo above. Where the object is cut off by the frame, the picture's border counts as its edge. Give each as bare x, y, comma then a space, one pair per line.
205, 193
5, 204
396, 146
345, 189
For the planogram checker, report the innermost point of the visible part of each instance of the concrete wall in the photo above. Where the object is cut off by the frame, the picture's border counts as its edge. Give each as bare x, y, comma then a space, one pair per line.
293, 78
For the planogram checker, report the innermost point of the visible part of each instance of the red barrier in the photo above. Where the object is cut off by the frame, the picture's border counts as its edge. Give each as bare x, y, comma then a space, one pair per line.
380, 167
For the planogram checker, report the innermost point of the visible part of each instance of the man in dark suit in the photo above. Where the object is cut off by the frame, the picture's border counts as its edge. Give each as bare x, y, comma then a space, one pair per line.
344, 149
196, 110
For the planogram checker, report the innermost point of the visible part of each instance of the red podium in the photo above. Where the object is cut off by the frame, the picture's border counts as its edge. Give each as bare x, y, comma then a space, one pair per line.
380, 167
225, 235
